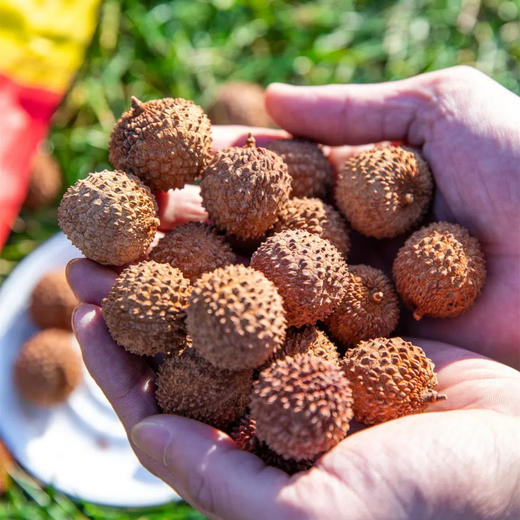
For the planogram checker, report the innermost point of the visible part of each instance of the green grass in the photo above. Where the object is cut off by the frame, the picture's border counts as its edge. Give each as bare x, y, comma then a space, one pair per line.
188, 47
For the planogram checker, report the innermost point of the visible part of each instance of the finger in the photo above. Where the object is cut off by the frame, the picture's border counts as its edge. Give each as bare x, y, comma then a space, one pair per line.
214, 474
179, 206
90, 281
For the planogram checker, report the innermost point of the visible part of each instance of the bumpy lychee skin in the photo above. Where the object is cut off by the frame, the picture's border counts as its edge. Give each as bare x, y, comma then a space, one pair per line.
165, 142
145, 309
45, 182
190, 386
385, 191
369, 309
440, 271
309, 272
389, 377
236, 318
244, 189
240, 103
310, 170
314, 216
302, 406
48, 368
194, 248
52, 301
110, 216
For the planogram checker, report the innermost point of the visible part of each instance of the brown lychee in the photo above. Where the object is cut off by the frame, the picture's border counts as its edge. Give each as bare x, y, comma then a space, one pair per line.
236, 318
302, 406
369, 308
52, 301
165, 142
384, 191
440, 271
45, 182
389, 377
110, 216
244, 189
314, 216
145, 309
309, 169
48, 368
194, 248
309, 272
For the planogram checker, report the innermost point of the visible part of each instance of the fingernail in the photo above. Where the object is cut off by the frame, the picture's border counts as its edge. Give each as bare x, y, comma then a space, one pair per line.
152, 438
81, 315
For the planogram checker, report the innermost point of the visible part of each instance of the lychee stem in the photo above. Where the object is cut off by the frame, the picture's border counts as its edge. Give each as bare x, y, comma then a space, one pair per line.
251, 141
378, 296
431, 396
137, 104
408, 199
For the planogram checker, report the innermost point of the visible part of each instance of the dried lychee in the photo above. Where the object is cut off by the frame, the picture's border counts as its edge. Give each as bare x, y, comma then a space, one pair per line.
145, 309
309, 272
440, 271
48, 368
110, 216
45, 182
369, 308
239, 103
165, 142
302, 406
244, 189
384, 191
309, 169
236, 318
194, 248
52, 301
389, 377
314, 216
190, 386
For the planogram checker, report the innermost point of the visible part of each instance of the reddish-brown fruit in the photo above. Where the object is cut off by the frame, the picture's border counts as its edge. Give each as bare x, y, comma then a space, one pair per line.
236, 318
45, 182
194, 248
440, 271
302, 406
111, 217
190, 386
48, 368
165, 142
145, 309
309, 272
384, 191
6, 466
240, 103
244, 189
389, 377
369, 309
314, 216
52, 301
310, 170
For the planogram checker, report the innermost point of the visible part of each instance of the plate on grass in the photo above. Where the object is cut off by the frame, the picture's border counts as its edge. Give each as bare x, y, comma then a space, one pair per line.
79, 447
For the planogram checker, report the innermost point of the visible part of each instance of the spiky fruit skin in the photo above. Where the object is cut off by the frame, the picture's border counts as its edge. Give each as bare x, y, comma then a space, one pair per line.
389, 377
110, 216
165, 142
45, 182
52, 301
145, 309
309, 169
244, 189
385, 191
48, 368
314, 216
309, 272
369, 309
194, 248
440, 271
190, 386
235, 318
244, 436
240, 103
302, 406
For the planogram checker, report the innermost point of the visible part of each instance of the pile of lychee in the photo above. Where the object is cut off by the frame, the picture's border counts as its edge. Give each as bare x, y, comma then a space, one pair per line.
259, 324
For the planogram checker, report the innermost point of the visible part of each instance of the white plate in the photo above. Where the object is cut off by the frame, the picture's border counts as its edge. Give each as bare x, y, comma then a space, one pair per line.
80, 447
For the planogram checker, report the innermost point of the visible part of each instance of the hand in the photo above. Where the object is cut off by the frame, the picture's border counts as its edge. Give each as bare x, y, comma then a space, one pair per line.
462, 462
